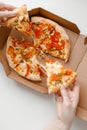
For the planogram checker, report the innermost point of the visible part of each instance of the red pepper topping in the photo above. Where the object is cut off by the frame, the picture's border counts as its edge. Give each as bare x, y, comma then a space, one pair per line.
55, 37
42, 73
49, 60
55, 43
30, 26
28, 69
38, 30
15, 43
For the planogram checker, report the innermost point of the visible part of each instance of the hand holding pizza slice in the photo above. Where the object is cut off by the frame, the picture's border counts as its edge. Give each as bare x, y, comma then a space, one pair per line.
20, 21
58, 76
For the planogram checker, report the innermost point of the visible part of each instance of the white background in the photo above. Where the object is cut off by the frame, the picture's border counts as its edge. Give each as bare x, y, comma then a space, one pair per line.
22, 108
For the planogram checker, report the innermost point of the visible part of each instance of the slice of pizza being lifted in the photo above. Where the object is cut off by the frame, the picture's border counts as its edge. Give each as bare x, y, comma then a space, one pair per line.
58, 76
50, 37
21, 21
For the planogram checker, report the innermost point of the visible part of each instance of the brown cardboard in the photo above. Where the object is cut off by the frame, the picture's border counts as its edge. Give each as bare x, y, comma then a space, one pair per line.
77, 59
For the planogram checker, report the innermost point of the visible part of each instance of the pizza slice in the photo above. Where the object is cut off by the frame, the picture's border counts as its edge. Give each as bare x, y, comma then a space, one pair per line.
58, 76
22, 57
21, 21
50, 37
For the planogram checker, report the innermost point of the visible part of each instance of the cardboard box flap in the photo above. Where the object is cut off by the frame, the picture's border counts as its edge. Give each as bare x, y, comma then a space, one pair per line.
4, 33
77, 53
85, 40
65, 23
0, 55
82, 113
83, 92
82, 68
37, 86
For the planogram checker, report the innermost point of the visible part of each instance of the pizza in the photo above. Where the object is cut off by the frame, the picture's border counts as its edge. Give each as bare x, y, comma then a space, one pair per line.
50, 37
22, 57
21, 21
58, 76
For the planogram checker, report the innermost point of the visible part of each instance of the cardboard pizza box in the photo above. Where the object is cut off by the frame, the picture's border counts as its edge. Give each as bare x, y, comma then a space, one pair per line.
77, 60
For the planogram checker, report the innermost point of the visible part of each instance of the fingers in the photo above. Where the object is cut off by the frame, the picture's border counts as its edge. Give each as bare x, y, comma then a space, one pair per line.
76, 88
76, 91
59, 104
59, 109
8, 7
65, 95
7, 14
58, 98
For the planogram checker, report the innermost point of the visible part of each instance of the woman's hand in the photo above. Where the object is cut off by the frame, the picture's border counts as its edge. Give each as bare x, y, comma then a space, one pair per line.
67, 104
6, 11
66, 108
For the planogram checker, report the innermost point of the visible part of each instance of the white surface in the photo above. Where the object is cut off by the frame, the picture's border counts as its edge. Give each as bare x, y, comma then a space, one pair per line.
22, 108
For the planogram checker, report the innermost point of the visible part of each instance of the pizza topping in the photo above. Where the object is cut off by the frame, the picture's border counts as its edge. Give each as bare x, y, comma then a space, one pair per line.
66, 71
27, 55
38, 32
21, 18
42, 73
54, 77
15, 43
38, 28
10, 51
17, 67
28, 70
49, 60
30, 26
55, 37
55, 43
25, 44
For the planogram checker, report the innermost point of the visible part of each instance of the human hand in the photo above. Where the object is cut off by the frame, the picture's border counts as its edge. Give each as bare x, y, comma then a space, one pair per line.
6, 11
67, 104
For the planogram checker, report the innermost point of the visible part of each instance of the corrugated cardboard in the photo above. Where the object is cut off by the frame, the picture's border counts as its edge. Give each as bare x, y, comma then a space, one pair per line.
77, 59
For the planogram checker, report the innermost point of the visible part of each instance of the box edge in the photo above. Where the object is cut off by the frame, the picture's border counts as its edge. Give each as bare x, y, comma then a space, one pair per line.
73, 27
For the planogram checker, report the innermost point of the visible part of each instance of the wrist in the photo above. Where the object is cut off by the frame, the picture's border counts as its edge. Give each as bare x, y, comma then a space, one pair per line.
58, 125
63, 125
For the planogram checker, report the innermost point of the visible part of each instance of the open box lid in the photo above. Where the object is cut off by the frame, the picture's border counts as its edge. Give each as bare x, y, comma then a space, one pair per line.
77, 59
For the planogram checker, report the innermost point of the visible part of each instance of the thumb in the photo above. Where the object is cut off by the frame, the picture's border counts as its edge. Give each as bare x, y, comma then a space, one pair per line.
65, 95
